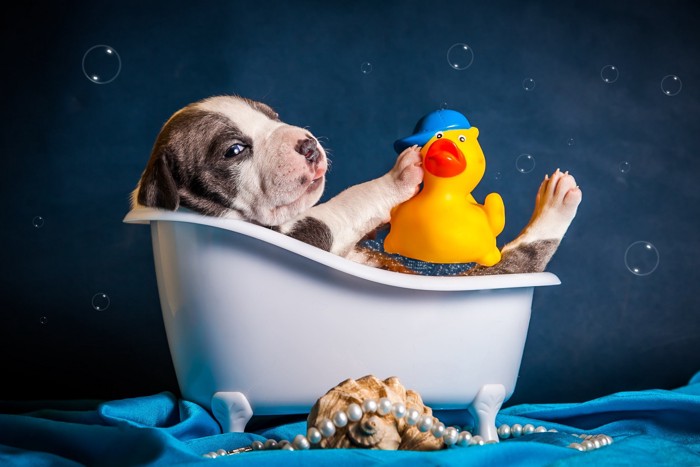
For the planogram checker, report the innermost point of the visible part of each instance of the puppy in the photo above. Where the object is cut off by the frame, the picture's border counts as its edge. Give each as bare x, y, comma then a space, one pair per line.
232, 157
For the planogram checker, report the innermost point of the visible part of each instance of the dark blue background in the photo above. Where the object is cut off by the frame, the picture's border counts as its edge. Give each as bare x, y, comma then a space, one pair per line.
72, 151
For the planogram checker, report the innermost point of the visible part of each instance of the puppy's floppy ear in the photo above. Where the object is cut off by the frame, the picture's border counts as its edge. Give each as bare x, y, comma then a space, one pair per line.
157, 188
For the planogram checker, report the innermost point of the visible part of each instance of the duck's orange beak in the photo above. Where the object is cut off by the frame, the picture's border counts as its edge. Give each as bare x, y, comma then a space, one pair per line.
444, 159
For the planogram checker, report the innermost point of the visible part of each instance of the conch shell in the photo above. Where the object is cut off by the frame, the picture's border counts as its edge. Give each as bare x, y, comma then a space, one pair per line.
373, 430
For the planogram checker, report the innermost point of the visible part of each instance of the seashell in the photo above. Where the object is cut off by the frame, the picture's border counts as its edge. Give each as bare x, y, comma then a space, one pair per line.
374, 430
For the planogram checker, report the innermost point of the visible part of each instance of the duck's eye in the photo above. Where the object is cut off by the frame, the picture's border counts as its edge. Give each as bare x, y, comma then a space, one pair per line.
235, 150
438, 135
462, 138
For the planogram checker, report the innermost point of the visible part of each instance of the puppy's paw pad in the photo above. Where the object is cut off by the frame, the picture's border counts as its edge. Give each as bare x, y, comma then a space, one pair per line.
573, 197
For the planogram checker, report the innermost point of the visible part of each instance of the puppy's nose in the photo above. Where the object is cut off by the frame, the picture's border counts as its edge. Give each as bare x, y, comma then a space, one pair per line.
309, 149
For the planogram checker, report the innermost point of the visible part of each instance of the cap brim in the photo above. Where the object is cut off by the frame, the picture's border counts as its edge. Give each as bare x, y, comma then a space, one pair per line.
419, 138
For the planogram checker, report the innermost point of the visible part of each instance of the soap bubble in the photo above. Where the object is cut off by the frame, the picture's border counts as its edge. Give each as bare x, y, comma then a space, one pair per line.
43, 320
641, 258
497, 176
460, 56
525, 163
609, 73
570, 142
100, 301
625, 167
444, 106
101, 64
366, 68
671, 85
528, 84
38, 222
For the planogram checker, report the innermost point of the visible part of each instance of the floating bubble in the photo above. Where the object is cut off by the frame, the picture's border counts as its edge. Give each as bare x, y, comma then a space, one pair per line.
641, 258
460, 56
528, 84
609, 73
444, 106
101, 64
366, 68
497, 176
38, 222
570, 142
671, 85
525, 163
100, 301
625, 167
43, 320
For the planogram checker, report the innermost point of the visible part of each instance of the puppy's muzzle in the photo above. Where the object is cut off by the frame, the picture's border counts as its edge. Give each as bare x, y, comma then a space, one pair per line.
309, 149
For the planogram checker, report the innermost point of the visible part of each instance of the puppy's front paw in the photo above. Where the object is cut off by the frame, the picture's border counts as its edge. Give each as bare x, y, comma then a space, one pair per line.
407, 173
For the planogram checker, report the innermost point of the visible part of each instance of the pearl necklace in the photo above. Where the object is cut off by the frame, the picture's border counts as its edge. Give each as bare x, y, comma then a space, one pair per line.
451, 436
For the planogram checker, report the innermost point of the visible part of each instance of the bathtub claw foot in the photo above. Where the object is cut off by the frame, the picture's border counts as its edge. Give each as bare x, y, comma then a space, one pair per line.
232, 410
484, 409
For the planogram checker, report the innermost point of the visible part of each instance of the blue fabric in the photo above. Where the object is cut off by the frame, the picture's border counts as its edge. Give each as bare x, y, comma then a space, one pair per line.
654, 427
423, 268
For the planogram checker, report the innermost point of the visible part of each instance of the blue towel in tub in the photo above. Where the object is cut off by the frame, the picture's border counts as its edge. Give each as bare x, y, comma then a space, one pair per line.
653, 427
420, 267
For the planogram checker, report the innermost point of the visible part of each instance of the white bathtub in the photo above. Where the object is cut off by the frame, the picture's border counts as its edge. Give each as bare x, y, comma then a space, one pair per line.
258, 322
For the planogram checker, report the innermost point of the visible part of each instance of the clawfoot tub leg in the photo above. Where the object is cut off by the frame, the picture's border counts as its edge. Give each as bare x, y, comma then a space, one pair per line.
232, 410
484, 409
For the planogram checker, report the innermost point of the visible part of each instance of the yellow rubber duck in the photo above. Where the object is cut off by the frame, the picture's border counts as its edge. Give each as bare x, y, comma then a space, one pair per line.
443, 223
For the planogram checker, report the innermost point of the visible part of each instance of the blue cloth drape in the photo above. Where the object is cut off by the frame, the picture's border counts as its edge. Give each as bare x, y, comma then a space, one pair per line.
652, 427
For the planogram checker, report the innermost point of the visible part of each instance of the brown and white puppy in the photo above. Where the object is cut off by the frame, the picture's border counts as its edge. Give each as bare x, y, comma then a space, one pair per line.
232, 157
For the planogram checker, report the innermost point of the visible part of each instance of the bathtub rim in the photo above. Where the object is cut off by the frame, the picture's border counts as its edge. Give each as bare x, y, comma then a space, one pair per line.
144, 215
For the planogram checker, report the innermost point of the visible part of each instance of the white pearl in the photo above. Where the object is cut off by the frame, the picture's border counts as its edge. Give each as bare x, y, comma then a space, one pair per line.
369, 406
577, 446
398, 410
257, 446
288, 447
540, 429
354, 412
504, 431
438, 429
412, 416
425, 423
326, 428
270, 444
588, 445
384, 406
609, 438
516, 430
340, 419
476, 441
212, 455
450, 436
464, 438
552, 430
221, 452
528, 429
314, 436
300, 442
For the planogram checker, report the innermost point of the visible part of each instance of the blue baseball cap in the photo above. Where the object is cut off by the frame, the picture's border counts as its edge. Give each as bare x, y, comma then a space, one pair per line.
439, 120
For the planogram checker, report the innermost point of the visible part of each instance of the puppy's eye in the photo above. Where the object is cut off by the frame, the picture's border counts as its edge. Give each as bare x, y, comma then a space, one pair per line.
462, 138
438, 135
235, 150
